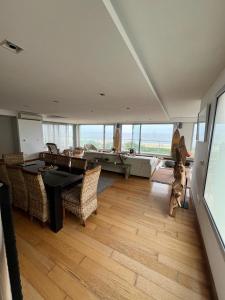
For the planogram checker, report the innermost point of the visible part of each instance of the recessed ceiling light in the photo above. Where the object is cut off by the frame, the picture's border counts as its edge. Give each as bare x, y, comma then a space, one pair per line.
55, 101
102, 94
11, 46
127, 108
92, 110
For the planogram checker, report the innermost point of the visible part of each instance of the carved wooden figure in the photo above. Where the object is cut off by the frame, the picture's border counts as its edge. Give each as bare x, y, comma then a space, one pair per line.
178, 185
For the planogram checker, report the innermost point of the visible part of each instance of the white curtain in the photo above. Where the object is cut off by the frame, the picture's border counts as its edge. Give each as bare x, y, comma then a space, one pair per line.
60, 134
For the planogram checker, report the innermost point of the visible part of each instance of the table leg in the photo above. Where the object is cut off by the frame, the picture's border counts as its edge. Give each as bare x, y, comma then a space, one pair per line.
127, 172
55, 208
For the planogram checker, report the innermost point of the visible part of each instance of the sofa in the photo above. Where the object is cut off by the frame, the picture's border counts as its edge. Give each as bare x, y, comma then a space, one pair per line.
142, 166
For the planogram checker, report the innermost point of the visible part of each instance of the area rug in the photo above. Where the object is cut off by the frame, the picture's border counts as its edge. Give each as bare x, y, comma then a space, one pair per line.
163, 175
106, 180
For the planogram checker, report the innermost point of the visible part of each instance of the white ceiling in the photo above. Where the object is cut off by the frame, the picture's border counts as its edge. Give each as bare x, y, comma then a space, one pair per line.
156, 57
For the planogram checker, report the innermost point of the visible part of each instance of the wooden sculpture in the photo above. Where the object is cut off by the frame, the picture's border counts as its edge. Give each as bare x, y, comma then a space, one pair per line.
117, 138
175, 143
183, 150
178, 185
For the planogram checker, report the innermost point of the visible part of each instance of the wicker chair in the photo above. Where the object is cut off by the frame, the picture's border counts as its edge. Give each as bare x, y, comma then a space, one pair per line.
82, 201
52, 148
49, 158
13, 158
78, 152
67, 152
62, 161
78, 165
5, 178
38, 202
88, 147
19, 190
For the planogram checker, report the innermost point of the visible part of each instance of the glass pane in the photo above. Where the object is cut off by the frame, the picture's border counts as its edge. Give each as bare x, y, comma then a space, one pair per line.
130, 137
215, 187
193, 145
136, 134
127, 137
92, 134
156, 138
109, 136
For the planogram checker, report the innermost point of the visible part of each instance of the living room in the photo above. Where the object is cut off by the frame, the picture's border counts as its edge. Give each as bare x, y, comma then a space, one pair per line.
111, 145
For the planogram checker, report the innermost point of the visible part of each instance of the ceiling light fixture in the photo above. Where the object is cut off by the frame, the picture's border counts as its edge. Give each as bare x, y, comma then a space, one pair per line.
11, 46
127, 108
55, 101
102, 94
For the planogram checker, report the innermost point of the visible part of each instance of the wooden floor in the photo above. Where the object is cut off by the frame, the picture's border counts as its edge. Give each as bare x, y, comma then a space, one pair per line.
131, 250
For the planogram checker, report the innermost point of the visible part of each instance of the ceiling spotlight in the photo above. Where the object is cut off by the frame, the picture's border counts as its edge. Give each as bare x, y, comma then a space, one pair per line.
127, 108
11, 46
92, 110
55, 101
102, 94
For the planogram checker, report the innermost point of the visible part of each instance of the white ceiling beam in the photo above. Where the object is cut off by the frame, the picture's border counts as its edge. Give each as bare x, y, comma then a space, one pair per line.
133, 52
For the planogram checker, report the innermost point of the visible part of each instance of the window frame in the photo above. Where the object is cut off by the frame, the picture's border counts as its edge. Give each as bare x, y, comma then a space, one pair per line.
210, 134
104, 126
139, 140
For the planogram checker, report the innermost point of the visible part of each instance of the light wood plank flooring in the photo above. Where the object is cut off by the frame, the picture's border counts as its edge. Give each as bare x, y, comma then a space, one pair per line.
131, 250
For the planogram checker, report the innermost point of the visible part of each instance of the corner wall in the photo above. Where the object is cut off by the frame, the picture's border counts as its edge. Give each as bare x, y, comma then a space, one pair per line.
214, 252
30, 138
8, 135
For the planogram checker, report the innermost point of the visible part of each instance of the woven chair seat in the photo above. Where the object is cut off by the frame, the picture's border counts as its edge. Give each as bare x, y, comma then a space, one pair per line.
82, 200
72, 195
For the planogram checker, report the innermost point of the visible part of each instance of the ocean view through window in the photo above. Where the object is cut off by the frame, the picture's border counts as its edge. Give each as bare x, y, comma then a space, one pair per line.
101, 136
156, 138
147, 138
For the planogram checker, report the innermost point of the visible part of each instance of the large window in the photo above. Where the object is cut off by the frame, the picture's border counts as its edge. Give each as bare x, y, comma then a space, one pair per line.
147, 138
156, 138
130, 137
109, 132
60, 134
194, 136
101, 136
214, 186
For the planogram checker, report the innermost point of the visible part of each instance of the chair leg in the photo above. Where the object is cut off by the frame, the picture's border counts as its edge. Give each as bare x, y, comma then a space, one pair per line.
43, 224
82, 222
96, 212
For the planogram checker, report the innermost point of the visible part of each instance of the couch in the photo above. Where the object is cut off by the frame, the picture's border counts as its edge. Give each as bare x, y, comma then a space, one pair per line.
142, 166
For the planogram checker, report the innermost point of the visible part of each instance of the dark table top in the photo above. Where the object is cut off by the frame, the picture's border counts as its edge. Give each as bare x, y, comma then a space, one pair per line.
53, 178
61, 179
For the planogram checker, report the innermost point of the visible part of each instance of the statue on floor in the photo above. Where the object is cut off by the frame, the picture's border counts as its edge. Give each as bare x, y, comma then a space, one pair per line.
178, 185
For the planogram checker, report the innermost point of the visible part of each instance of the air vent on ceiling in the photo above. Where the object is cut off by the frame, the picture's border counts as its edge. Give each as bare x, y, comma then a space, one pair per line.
11, 46
55, 116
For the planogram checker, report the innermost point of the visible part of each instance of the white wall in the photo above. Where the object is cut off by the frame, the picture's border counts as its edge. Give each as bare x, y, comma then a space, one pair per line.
214, 252
187, 132
8, 135
30, 138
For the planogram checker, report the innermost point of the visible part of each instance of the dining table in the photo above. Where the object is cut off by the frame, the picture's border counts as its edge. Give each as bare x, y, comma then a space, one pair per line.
55, 182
